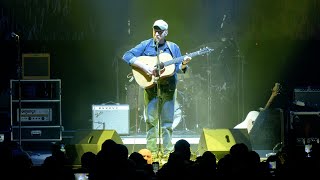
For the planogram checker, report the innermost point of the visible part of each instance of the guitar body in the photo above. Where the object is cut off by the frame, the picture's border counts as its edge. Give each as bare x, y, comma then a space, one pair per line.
146, 81
248, 122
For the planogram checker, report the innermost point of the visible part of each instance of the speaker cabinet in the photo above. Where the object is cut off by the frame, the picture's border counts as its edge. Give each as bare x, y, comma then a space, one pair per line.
89, 140
219, 141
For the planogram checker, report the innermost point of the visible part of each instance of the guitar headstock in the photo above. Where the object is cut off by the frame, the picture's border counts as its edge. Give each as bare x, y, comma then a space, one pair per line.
205, 50
276, 89
275, 92
202, 51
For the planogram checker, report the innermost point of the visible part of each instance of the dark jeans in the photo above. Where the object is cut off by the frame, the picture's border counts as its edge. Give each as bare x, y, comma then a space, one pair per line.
151, 114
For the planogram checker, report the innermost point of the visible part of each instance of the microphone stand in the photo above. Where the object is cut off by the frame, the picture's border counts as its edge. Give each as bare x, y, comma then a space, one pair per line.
19, 71
159, 99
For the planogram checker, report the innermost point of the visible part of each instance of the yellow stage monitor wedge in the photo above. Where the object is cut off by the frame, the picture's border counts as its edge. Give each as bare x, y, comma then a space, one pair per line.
36, 66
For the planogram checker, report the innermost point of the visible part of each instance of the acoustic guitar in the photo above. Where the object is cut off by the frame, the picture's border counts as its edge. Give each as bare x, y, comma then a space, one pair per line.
167, 65
252, 115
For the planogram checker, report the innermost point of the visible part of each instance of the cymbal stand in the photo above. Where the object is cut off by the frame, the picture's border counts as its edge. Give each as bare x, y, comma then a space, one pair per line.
209, 98
182, 108
240, 85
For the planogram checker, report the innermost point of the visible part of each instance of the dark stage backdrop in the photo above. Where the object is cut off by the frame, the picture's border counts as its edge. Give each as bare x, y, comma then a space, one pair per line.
256, 44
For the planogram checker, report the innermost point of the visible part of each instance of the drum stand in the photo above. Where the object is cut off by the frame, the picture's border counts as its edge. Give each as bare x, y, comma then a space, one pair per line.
183, 120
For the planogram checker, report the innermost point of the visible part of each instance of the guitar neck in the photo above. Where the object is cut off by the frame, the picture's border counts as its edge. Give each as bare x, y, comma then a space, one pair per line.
180, 59
268, 103
273, 95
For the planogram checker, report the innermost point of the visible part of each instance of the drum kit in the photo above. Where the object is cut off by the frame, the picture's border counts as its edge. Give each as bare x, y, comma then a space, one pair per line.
189, 88
199, 88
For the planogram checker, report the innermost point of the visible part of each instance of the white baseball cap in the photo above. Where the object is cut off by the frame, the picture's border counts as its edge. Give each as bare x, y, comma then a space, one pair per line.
160, 24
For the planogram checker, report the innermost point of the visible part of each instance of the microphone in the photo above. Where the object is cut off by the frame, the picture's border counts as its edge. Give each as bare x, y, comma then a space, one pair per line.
14, 35
224, 17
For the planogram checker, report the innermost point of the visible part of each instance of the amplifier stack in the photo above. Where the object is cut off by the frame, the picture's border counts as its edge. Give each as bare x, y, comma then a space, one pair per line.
35, 112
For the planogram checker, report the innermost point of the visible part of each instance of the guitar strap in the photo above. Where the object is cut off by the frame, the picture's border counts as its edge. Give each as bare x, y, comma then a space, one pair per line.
170, 45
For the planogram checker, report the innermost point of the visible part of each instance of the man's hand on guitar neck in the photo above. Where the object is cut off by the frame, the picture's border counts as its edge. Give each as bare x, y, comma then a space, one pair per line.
185, 61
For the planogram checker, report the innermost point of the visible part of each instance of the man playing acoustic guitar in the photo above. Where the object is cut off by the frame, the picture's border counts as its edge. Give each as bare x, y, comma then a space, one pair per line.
159, 81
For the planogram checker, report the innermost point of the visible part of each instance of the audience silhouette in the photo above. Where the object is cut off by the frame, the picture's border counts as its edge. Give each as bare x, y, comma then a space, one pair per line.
113, 161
